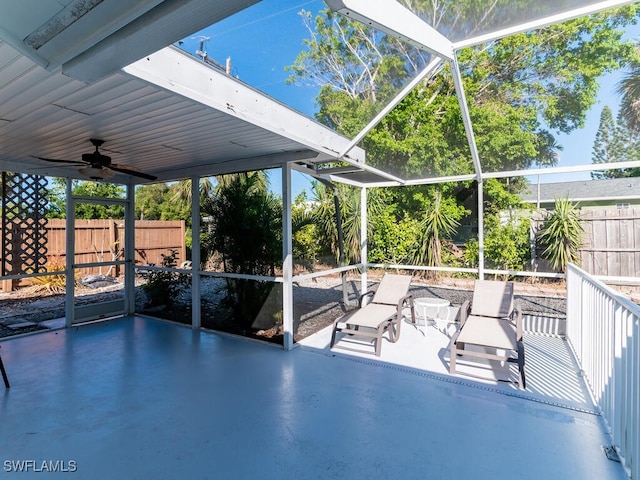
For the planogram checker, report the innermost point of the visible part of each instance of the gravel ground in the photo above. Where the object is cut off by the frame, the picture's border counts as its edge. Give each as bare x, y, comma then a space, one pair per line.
317, 302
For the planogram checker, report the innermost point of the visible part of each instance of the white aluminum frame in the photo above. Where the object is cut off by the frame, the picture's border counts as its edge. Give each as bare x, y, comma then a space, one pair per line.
95, 311
394, 19
178, 72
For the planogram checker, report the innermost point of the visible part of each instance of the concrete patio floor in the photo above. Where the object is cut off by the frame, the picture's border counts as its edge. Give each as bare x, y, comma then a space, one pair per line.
142, 398
552, 373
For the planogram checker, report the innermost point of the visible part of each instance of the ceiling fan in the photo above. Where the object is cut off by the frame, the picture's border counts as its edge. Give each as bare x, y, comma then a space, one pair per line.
97, 166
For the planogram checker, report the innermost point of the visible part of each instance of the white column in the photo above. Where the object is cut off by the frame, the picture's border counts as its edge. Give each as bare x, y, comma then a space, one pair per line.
130, 251
480, 229
287, 259
196, 303
363, 239
69, 256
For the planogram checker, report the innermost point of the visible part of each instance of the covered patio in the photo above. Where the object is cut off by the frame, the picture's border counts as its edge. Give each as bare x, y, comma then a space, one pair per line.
137, 397
132, 396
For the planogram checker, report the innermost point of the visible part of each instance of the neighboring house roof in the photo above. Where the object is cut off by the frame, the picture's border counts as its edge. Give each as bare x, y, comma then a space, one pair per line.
616, 189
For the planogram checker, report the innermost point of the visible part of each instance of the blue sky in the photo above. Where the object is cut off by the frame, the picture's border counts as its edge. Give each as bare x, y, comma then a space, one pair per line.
265, 38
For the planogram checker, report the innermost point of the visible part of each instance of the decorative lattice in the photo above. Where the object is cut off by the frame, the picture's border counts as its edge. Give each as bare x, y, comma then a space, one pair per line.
24, 225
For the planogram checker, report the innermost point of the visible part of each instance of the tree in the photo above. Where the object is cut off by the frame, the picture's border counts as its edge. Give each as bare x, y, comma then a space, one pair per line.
246, 234
156, 202
325, 217
506, 230
615, 142
84, 210
629, 90
520, 90
605, 149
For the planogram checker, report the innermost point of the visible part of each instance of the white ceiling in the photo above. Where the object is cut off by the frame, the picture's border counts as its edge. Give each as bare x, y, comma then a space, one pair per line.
72, 70
91, 38
160, 124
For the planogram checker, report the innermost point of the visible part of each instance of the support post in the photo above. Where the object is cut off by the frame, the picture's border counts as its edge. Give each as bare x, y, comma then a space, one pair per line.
287, 259
69, 255
363, 240
466, 120
196, 303
130, 251
480, 229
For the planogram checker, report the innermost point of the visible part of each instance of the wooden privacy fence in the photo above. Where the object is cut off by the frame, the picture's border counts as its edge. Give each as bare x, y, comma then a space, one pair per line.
612, 242
103, 240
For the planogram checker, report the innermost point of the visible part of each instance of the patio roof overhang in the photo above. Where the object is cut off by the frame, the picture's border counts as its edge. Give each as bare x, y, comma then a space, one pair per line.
71, 73
169, 114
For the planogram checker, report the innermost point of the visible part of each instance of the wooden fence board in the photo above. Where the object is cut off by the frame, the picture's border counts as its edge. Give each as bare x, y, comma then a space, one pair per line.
612, 242
103, 240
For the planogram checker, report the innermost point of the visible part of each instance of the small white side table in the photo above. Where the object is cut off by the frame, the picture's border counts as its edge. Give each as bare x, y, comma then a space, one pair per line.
425, 305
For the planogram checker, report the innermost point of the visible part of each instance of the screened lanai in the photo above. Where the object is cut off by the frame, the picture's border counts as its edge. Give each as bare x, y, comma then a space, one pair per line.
164, 111
167, 114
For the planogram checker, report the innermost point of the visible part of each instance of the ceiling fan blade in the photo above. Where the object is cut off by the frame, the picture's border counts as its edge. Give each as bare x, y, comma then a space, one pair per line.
55, 160
131, 171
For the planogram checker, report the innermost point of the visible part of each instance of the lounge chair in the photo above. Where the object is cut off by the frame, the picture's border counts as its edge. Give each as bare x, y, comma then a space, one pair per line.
382, 314
4, 374
492, 324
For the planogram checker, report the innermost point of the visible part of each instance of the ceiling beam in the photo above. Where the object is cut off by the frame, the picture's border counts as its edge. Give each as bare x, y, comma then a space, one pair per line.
390, 17
542, 22
236, 165
181, 73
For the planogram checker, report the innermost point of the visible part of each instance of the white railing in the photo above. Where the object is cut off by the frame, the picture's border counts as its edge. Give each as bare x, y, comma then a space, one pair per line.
603, 328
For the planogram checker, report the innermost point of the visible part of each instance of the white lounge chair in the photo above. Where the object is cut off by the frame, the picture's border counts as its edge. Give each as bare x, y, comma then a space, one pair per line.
383, 314
492, 324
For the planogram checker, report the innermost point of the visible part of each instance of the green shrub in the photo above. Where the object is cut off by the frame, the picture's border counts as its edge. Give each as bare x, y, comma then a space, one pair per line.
162, 286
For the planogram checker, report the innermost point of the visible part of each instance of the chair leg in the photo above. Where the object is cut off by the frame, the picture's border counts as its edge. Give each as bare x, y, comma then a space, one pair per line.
4, 374
333, 334
453, 351
522, 383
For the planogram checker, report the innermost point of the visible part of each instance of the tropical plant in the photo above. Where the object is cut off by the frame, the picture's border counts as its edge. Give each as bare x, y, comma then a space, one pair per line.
163, 286
506, 241
305, 240
54, 283
440, 221
246, 235
561, 235
629, 90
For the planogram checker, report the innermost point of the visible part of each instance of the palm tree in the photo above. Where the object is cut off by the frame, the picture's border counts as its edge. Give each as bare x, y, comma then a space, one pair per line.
349, 201
629, 89
181, 191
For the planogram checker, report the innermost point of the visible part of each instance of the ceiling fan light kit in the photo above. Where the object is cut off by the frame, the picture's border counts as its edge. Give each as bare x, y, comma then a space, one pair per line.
93, 173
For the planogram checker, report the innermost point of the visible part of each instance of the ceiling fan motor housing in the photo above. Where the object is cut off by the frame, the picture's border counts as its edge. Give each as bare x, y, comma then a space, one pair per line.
96, 159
